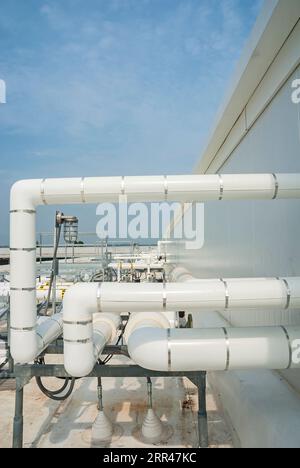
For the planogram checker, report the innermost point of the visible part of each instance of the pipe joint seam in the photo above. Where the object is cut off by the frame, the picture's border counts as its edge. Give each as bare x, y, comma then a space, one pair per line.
221, 187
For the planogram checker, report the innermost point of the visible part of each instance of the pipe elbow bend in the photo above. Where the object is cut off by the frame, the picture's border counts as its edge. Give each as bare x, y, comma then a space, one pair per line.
148, 347
25, 194
76, 303
76, 371
24, 346
79, 360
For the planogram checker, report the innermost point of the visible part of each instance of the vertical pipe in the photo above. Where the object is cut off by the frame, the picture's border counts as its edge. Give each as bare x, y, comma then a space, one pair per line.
23, 340
18, 418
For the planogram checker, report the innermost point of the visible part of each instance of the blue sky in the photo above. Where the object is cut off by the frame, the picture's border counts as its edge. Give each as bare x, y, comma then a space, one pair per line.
112, 87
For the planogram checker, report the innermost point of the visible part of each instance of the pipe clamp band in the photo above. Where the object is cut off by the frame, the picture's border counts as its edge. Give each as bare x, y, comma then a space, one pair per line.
123, 185
227, 349
83, 322
164, 297
221, 188
43, 192
23, 328
23, 289
226, 293
288, 294
82, 190
99, 298
166, 187
276, 187
23, 211
88, 340
12, 249
169, 350
290, 347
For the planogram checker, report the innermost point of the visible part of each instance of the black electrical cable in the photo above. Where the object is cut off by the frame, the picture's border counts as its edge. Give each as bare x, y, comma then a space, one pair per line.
109, 358
53, 395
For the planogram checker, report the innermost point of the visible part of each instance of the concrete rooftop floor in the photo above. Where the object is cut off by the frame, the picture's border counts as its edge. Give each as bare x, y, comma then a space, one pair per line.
68, 424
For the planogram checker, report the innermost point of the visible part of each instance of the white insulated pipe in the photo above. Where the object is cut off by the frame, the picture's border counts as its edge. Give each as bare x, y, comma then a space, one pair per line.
211, 294
215, 349
146, 320
27, 195
48, 330
86, 332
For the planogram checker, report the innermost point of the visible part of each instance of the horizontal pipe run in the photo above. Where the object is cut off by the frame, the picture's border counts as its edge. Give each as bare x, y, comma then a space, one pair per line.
156, 297
28, 194
215, 349
212, 294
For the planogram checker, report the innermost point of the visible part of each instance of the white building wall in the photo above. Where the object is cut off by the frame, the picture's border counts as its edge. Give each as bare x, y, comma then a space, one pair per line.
254, 239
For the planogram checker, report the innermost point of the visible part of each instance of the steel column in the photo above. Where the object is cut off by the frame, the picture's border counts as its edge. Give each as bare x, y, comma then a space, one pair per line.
18, 419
